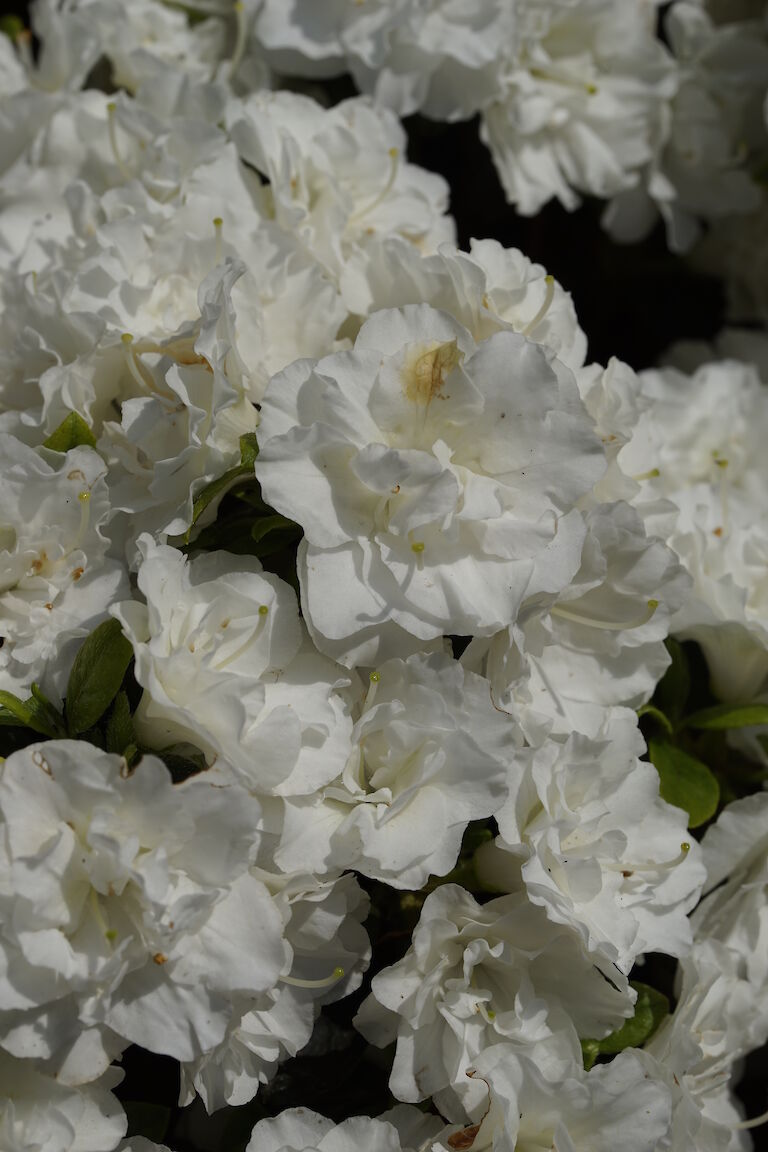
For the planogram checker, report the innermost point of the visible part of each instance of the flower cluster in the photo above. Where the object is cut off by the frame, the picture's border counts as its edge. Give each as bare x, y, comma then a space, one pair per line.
334, 580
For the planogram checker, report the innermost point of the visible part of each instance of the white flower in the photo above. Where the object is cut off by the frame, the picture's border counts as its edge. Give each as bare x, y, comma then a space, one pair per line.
735, 850
338, 176
576, 110
711, 135
699, 448
330, 953
38, 1112
599, 848
185, 430
128, 912
145, 32
225, 664
722, 997
442, 57
300, 1130
428, 754
612, 1106
56, 584
487, 289
432, 477
614, 399
477, 974
600, 643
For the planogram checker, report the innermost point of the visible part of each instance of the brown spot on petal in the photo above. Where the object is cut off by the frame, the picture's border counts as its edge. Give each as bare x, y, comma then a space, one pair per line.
77, 573
427, 369
463, 1139
159, 958
717, 531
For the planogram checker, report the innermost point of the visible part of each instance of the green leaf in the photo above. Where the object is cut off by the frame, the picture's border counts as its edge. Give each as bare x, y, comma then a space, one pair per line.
72, 432
12, 26
182, 761
723, 716
656, 714
249, 450
650, 1009
674, 688
685, 782
211, 492
23, 713
119, 732
42, 707
267, 524
96, 675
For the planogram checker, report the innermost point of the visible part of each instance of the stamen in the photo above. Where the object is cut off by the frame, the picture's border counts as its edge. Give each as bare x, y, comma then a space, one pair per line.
241, 35
263, 612
145, 382
125, 171
394, 155
548, 298
723, 486
218, 225
326, 982
743, 1125
607, 625
629, 868
370, 695
98, 916
650, 475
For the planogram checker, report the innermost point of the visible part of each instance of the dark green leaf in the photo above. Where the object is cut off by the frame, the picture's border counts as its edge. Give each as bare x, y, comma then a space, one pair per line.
72, 432
658, 716
249, 450
267, 524
213, 491
12, 26
674, 688
96, 675
9, 719
182, 760
119, 731
28, 714
650, 1009
723, 716
43, 708
685, 782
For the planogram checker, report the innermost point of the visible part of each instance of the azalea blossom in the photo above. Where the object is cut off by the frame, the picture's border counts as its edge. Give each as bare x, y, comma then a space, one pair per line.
698, 450
478, 974
129, 913
432, 481
330, 952
56, 581
598, 848
301, 1130
36, 1111
599, 644
226, 665
428, 753
584, 1111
